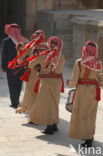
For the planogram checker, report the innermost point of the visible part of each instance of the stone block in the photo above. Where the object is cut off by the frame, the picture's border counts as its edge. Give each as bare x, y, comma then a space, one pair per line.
65, 4
64, 30
66, 37
31, 7
67, 45
44, 5
31, 26
63, 23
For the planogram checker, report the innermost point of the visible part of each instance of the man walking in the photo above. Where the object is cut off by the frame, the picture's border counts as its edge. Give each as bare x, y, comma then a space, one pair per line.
9, 52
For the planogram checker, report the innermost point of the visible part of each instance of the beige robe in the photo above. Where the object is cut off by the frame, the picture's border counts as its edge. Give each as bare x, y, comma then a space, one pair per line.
83, 118
45, 109
28, 97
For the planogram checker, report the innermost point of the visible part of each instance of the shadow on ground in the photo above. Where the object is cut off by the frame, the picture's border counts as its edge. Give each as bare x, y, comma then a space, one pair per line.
61, 138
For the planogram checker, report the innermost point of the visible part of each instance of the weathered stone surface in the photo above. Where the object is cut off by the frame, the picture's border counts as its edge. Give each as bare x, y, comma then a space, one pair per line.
87, 28
100, 46
67, 37
31, 26
31, 7
44, 4
64, 30
65, 4
46, 22
63, 23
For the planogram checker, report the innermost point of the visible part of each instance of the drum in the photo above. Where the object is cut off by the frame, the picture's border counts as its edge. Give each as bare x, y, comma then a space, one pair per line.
70, 100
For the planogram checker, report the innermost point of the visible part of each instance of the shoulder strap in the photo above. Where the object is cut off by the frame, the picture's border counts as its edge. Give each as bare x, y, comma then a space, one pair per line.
86, 74
87, 71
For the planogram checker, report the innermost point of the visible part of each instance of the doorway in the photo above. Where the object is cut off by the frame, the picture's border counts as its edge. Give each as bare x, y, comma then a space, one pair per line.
12, 11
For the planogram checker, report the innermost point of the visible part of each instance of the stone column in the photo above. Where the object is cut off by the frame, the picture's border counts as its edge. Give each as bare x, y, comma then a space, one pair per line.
31, 17
32, 8
44, 5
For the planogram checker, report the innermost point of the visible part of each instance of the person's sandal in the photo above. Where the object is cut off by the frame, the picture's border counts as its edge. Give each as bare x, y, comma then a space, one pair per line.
21, 110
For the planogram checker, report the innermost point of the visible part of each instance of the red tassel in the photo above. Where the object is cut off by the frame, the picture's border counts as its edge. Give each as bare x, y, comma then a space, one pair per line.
98, 95
36, 85
25, 77
11, 63
62, 89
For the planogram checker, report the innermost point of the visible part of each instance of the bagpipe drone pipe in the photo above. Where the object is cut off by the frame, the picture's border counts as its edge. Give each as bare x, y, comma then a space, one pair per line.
34, 42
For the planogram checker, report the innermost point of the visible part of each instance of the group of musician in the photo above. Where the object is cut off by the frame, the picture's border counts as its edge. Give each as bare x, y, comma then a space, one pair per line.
43, 62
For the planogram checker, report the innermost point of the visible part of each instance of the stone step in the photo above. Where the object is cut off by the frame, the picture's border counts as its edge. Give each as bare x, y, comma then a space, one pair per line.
63, 23
67, 45
64, 30
67, 53
63, 16
67, 37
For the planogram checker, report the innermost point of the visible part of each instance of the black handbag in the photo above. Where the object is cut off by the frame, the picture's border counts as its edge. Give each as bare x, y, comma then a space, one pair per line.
70, 99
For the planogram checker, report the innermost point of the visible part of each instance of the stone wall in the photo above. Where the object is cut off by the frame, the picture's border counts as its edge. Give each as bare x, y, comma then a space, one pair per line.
74, 28
84, 29
44, 5
31, 17
58, 23
34, 6
92, 4
81, 34
65, 4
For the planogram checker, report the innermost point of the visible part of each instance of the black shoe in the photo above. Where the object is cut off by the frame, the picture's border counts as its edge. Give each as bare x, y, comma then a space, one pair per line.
32, 123
88, 143
48, 130
13, 106
55, 129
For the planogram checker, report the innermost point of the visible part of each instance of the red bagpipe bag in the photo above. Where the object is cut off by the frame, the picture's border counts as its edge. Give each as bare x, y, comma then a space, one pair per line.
34, 42
13, 64
25, 77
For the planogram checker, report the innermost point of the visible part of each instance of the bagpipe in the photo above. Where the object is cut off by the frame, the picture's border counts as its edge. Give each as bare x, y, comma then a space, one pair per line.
50, 52
34, 42
24, 64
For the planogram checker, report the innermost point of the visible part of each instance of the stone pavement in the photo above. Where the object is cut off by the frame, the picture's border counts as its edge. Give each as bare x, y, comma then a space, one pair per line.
18, 138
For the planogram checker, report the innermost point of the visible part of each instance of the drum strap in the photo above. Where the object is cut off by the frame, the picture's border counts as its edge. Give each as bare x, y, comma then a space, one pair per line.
87, 71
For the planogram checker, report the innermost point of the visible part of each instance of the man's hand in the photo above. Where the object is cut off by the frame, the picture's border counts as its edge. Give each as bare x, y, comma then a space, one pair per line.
19, 62
67, 82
